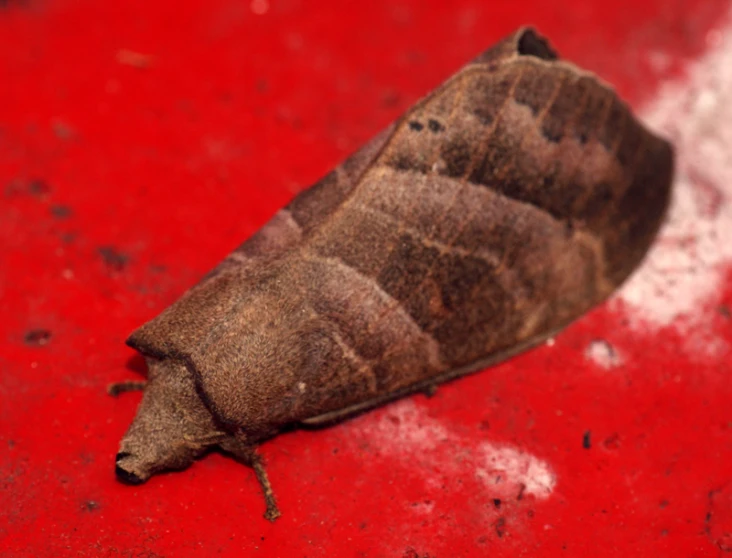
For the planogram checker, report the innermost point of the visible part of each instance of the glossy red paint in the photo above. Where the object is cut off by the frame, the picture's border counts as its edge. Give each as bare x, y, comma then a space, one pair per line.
141, 141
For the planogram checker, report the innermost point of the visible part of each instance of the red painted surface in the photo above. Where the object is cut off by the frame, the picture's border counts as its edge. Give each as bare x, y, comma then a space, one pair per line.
160, 134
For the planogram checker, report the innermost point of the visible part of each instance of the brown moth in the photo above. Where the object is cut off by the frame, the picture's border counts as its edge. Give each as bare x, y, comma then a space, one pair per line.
501, 207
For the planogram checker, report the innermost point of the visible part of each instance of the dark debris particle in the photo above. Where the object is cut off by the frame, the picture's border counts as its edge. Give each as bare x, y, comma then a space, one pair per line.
68, 237
435, 126
587, 440
37, 337
63, 130
38, 188
90, 506
725, 311
500, 527
612, 442
497, 503
19, 3
113, 258
410, 552
663, 504
416, 126
522, 490
61, 211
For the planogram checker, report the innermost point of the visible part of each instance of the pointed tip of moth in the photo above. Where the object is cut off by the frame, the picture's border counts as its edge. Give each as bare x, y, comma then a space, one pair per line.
126, 477
532, 43
524, 41
123, 475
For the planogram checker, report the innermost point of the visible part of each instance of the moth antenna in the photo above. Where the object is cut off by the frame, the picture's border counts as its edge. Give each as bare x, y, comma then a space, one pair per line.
118, 388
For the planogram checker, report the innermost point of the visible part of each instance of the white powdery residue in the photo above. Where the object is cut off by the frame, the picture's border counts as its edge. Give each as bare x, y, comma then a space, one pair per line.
506, 465
406, 432
683, 273
405, 429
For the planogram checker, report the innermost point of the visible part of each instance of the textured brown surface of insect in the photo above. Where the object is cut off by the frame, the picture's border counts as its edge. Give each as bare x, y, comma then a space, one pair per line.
502, 206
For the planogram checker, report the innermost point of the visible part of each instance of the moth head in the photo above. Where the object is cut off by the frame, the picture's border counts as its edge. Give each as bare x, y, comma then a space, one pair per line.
171, 429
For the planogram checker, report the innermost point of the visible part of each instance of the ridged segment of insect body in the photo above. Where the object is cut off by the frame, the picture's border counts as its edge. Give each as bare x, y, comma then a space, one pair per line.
502, 206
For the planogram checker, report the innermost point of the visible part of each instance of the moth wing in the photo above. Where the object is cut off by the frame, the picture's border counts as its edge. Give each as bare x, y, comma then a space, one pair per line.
496, 358
175, 332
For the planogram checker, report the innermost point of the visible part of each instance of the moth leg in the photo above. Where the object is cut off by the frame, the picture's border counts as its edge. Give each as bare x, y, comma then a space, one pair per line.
272, 512
249, 456
118, 388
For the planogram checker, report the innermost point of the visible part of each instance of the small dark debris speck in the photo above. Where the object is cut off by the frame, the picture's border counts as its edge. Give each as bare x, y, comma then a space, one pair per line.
63, 130
435, 126
38, 188
725, 312
663, 504
500, 526
522, 489
497, 503
37, 337
416, 126
113, 258
68, 237
90, 506
612, 442
61, 211
587, 440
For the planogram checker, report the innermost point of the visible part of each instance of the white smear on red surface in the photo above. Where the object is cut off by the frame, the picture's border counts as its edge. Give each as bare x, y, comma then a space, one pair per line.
407, 433
682, 277
508, 465
603, 354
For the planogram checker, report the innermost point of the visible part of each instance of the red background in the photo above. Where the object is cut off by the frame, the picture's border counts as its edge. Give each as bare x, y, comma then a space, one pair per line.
141, 141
